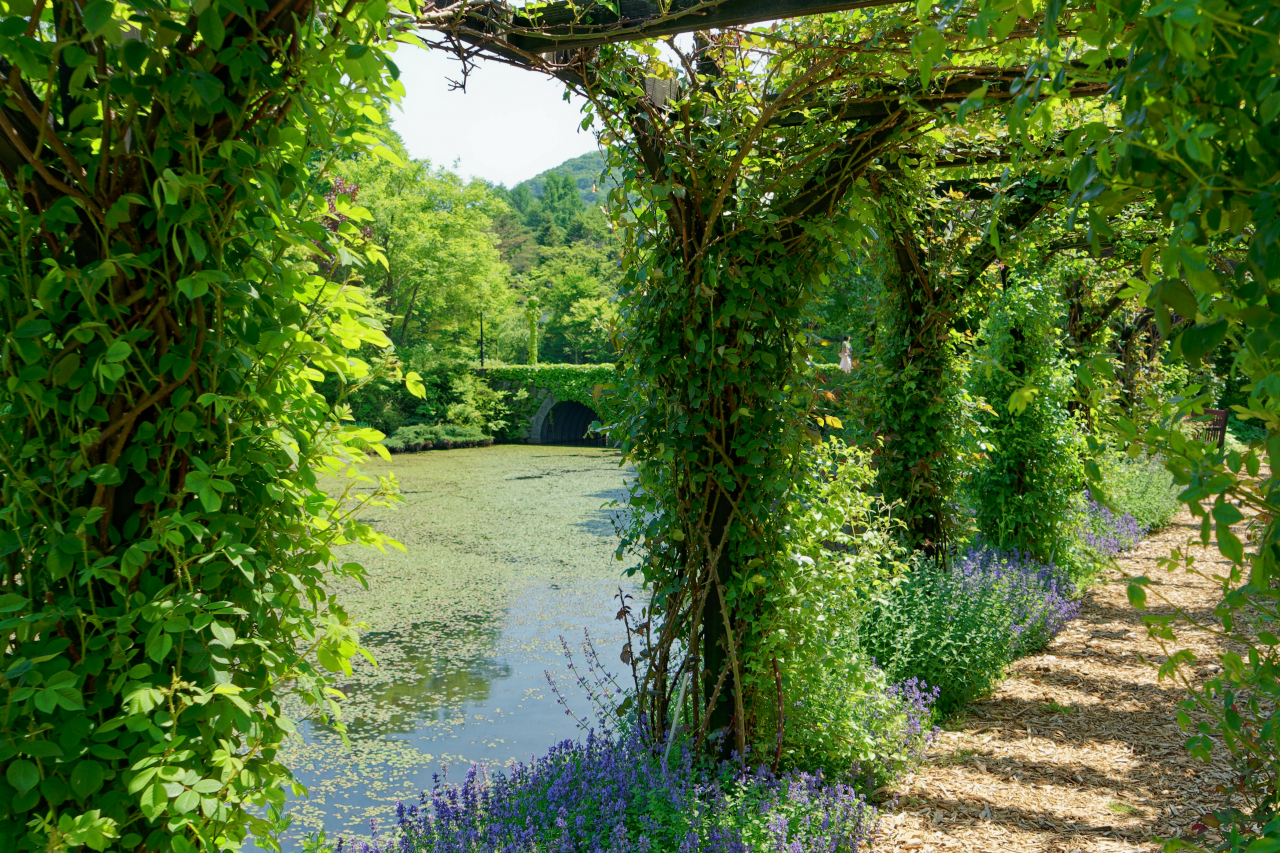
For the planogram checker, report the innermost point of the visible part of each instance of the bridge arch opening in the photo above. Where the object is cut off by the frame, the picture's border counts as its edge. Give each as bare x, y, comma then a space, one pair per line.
569, 422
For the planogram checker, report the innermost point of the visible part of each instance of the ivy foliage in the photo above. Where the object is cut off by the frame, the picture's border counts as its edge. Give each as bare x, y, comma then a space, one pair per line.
592, 385
1025, 495
1198, 93
915, 381
524, 387
166, 311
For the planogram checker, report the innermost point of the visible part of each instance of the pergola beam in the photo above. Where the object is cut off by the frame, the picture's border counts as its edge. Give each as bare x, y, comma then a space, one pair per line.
574, 25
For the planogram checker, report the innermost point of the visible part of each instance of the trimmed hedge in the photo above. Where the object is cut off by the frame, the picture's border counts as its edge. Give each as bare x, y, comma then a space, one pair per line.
575, 382
443, 437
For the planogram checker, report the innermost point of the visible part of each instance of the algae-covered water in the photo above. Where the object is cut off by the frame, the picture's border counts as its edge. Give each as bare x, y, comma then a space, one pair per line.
509, 548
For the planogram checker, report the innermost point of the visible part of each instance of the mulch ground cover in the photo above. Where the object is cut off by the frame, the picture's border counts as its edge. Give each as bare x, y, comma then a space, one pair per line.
1079, 750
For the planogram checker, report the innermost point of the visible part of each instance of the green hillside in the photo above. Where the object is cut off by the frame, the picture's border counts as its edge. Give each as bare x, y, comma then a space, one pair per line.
584, 170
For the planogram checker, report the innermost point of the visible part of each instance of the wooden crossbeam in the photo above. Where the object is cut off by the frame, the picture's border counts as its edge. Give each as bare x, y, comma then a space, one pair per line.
573, 25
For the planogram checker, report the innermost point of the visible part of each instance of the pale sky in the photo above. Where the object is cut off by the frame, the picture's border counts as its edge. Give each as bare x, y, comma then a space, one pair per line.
508, 126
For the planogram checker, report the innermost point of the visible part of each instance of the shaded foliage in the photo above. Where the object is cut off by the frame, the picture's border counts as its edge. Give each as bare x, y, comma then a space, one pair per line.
164, 540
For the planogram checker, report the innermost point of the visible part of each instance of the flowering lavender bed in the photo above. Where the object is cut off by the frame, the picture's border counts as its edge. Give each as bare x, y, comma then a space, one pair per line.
613, 794
957, 627
1107, 534
1037, 599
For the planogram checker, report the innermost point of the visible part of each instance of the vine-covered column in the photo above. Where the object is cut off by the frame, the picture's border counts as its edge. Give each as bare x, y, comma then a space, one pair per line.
915, 386
168, 514
1027, 488
939, 239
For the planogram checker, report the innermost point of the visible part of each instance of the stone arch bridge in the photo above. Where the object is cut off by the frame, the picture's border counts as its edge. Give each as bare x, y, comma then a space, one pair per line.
561, 402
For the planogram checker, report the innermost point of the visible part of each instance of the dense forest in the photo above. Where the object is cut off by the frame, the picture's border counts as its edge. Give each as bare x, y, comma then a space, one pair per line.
471, 268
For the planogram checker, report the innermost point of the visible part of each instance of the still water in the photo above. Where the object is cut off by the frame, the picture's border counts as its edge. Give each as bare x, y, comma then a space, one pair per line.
509, 548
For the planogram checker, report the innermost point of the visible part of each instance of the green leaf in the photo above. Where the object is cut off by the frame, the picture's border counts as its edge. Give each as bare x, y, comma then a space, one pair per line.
135, 54
87, 778
97, 15
22, 775
33, 329
210, 500
46, 700
1230, 546
11, 602
41, 749
1225, 513
1175, 293
390, 156
159, 646
211, 28
154, 801
414, 385
223, 634
1203, 338
66, 368
105, 475
118, 351
1137, 596
186, 801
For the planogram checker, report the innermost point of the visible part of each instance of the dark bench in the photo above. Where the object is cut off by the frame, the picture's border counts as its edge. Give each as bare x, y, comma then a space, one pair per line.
1213, 425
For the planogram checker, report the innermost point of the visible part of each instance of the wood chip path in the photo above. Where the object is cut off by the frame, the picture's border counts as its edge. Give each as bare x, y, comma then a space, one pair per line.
1079, 749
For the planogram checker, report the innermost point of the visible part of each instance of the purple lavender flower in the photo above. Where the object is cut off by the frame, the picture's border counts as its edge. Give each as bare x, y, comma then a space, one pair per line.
613, 795
1107, 534
1040, 596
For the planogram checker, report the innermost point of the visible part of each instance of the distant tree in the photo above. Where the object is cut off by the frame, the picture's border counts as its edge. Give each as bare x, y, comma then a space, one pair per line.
560, 199
521, 198
578, 285
436, 231
550, 234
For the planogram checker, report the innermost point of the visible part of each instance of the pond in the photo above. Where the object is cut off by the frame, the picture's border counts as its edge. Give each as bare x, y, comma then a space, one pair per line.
509, 548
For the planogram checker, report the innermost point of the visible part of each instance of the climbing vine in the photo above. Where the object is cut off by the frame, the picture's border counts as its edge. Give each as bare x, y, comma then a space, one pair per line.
173, 286
1025, 493
744, 170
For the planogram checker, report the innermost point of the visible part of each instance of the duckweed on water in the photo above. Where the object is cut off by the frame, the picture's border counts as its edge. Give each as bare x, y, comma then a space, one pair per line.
508, 548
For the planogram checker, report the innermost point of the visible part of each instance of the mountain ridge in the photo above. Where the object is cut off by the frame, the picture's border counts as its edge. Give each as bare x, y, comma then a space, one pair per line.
585, 170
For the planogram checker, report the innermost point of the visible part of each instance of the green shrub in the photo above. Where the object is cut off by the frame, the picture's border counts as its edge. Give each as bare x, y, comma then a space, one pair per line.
1245, 432
440, 437
956, 627
840, 712
1026, 491
926, 628
480, 406
1141, 487
453, 394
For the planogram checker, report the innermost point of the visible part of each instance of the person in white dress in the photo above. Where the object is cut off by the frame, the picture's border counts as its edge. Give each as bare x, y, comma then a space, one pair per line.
846, 356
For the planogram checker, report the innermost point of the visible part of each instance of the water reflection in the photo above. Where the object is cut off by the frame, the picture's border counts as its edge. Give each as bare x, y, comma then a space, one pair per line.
464, 626
427, 675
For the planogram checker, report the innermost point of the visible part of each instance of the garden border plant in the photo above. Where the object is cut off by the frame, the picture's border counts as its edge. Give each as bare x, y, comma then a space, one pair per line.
172, 289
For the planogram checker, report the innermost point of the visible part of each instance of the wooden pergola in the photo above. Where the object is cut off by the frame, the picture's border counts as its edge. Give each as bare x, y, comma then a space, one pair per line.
559, 39
565, 25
